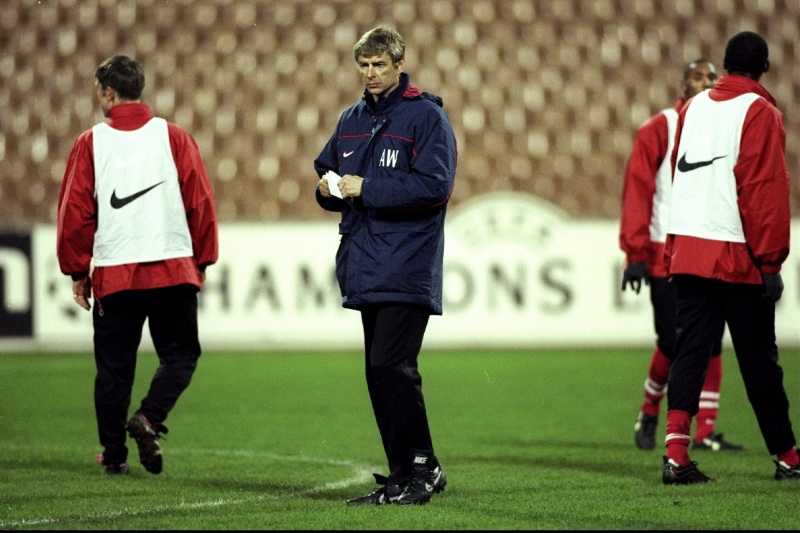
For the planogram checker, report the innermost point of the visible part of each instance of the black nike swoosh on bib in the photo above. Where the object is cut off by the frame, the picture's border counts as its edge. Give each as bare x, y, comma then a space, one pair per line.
116, 202
685, 166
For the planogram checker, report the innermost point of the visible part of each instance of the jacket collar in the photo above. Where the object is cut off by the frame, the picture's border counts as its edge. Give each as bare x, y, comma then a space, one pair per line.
393, 98
129, 116
731, 85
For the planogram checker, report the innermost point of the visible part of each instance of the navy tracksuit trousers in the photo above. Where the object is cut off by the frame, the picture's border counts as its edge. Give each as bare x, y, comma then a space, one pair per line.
704, 306
118, 322
393, 336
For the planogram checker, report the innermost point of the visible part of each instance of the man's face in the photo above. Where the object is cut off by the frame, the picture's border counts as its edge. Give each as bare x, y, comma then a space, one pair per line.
703, 76
379, 74
104, 97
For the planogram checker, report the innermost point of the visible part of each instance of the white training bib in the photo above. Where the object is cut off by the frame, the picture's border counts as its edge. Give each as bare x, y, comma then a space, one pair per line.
704, 199
141, 216
661, 198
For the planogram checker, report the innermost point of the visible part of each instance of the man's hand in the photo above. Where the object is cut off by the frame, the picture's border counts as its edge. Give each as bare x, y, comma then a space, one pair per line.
323, 188
350, 186
82, 292
634, 274
773, 287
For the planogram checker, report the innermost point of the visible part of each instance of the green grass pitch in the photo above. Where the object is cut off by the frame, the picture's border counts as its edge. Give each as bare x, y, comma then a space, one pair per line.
530, 439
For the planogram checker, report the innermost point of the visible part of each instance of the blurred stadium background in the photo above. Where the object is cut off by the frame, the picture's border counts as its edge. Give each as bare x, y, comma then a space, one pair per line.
545, 95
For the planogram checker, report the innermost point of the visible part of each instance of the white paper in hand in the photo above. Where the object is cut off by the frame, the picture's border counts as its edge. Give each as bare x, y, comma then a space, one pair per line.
333, 183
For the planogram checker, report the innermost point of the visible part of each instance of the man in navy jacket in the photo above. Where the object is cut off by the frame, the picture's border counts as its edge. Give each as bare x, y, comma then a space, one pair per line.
389, 168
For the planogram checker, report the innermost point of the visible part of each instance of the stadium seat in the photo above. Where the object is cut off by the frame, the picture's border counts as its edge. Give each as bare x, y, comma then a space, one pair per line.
545, 98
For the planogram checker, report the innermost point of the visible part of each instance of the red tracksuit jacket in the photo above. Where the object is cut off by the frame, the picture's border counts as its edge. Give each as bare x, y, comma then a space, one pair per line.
77, 214
762, 186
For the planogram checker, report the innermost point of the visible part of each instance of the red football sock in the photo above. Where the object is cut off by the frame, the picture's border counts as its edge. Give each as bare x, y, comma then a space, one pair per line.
655, 386
678, 425
791, 458
706, 418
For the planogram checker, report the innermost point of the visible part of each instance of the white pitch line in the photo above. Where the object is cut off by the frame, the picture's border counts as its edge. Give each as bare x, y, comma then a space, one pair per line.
361, 474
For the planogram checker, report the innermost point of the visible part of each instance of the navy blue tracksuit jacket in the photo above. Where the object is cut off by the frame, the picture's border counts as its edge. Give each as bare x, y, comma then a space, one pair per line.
392, 237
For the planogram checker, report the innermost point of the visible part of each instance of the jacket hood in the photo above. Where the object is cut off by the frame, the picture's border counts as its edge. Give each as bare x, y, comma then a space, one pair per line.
404, 91
411, 93
432, 97
731, 85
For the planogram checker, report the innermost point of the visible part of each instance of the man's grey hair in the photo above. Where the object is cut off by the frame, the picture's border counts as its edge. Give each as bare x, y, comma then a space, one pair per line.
379, 40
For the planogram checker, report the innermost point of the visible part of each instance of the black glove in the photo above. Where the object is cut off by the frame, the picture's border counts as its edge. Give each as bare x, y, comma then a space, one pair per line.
634, 274
773, 287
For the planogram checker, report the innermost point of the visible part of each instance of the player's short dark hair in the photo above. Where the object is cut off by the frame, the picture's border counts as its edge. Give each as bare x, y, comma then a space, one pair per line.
122, 74
688, 67
379, 40
747, 52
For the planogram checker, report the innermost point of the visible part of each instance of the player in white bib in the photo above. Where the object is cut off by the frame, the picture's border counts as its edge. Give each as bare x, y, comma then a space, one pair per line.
727, 237
137, 227
646, 195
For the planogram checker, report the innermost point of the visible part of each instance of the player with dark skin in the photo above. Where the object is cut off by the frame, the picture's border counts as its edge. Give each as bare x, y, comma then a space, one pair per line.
646, 194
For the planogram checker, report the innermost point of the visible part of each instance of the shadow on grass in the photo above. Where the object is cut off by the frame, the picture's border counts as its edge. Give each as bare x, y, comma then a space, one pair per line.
562, 456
